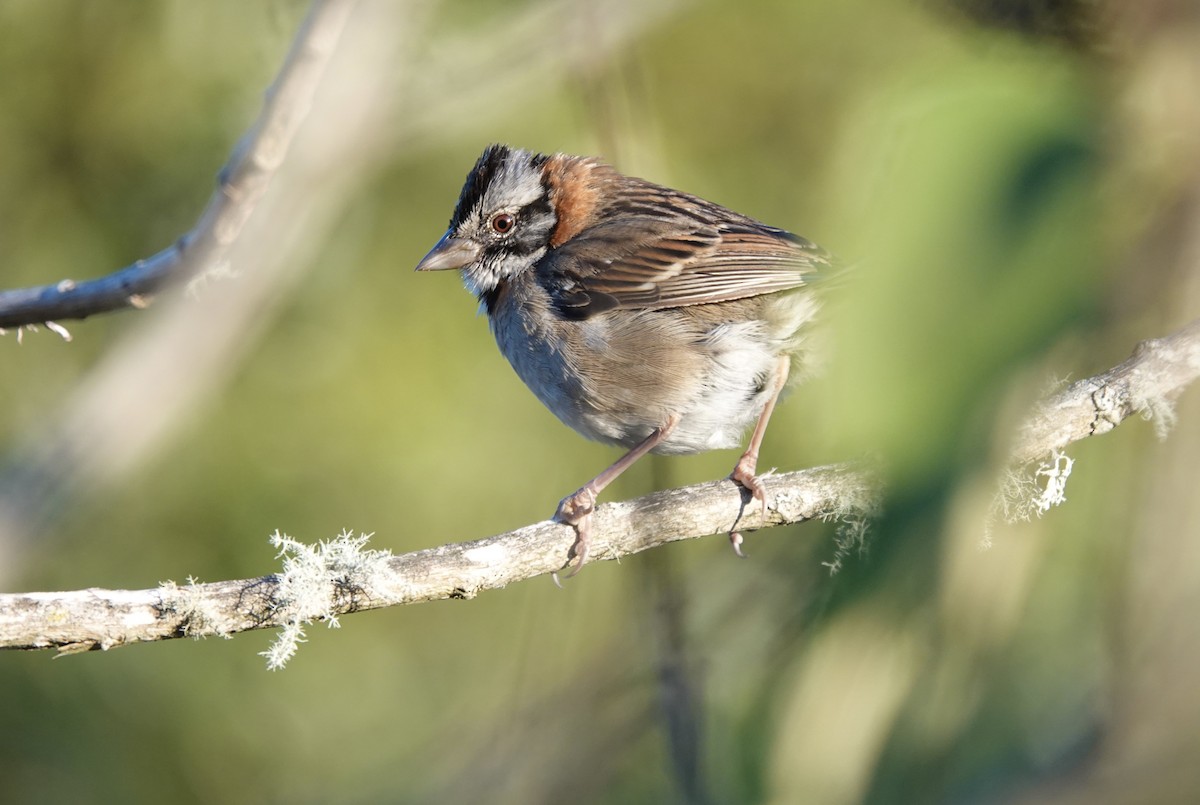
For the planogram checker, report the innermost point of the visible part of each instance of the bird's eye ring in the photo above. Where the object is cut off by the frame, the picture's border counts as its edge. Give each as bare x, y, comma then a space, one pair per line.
503, 223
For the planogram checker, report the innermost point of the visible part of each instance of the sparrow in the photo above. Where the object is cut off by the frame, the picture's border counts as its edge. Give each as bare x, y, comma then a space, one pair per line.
641, 316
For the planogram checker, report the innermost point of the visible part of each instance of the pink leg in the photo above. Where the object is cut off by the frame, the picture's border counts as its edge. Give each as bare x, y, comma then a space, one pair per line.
744, 471
576, 509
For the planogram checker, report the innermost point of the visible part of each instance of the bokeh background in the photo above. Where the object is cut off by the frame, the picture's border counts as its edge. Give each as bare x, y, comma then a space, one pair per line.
1018, 184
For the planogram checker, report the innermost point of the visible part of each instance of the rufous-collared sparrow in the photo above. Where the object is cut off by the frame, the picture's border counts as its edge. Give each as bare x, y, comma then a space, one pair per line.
639, 315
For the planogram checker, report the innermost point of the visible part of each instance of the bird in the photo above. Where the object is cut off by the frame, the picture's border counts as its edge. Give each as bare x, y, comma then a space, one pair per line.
641, 316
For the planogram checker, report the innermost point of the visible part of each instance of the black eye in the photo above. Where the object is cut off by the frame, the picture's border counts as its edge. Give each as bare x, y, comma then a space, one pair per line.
503, 223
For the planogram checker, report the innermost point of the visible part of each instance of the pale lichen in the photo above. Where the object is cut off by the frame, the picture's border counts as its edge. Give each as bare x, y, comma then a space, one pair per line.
317, 583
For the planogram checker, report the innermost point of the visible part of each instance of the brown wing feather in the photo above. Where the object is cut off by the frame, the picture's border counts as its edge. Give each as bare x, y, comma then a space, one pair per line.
659, 249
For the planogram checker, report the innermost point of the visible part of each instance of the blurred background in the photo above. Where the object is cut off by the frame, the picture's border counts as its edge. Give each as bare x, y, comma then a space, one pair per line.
1019, 184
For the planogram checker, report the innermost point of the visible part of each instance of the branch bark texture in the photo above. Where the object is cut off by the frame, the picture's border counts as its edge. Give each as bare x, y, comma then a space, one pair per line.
103, 619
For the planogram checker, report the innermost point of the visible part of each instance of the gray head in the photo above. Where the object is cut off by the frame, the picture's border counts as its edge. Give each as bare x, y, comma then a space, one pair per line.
502, 224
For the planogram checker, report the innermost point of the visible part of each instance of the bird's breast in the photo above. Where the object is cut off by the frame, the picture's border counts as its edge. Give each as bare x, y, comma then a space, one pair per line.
617, 376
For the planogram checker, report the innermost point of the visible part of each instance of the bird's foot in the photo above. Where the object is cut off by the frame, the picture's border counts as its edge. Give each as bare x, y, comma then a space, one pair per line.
744, 475
576, 510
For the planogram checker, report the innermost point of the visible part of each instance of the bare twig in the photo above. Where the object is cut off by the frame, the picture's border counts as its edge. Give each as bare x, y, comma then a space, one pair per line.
130, 287
240, 185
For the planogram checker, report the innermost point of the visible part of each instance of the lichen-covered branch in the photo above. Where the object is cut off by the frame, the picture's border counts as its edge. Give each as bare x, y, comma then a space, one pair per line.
340, 576
1147, 384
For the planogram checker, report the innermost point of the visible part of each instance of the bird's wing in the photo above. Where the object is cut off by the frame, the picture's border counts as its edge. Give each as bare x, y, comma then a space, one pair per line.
690, 253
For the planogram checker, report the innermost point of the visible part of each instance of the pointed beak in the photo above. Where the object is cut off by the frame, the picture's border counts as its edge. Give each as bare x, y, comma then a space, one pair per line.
450, 253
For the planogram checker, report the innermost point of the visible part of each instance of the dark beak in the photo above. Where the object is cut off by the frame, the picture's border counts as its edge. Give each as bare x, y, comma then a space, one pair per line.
449, 253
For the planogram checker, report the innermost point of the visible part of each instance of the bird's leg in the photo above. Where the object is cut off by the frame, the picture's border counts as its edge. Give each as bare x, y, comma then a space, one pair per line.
744, 471
576, 509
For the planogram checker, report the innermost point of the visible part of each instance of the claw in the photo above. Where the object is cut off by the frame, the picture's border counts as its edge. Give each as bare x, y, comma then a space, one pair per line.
575, 510
743, 475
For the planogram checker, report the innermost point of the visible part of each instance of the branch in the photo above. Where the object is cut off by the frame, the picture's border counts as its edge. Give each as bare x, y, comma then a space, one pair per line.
342, 578
240, 185
1154, 375
357, 581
